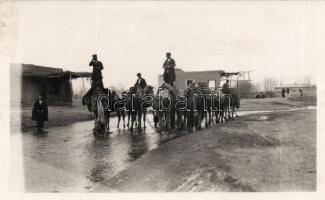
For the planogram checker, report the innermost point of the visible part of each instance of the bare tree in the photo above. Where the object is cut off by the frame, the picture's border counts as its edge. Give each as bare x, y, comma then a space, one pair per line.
256, 87
269, 84
307, 80
244, 88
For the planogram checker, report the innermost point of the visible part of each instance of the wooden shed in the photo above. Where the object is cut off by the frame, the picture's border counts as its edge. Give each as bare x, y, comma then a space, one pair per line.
29, 81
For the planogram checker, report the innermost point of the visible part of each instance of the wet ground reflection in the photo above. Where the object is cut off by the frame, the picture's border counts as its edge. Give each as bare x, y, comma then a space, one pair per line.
71, 159
74, 150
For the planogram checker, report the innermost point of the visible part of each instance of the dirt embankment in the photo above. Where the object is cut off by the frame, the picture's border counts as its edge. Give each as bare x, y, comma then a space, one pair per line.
275, 103
264, 152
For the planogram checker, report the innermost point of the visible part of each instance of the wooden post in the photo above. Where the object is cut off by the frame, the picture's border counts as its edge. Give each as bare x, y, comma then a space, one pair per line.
83, 84
71, 89
249, 79
237, 81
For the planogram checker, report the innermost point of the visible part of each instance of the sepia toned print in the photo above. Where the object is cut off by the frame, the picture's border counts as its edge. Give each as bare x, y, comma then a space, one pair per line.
164, 96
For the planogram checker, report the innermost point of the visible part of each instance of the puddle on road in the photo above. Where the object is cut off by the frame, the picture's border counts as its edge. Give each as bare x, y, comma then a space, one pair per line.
257, 118
75, 150
248, 112
262, 118
247, 141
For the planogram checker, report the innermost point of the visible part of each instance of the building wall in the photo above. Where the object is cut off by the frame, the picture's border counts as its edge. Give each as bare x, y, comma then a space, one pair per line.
30, 89
15, 86
198, 76
27, 82
295, 90
56, 92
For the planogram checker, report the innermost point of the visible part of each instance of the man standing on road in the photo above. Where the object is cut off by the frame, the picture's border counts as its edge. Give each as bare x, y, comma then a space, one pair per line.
141, 82
39, 113
169, 72
96, 76
283, 91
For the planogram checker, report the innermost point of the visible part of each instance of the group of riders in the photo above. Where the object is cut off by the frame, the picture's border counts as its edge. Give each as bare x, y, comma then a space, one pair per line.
171, 118
97, 77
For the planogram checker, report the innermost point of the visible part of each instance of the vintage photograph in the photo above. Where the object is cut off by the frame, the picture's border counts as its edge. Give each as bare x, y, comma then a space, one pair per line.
162, 96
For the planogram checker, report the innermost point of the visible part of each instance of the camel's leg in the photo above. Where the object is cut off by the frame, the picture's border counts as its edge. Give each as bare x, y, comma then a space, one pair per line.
172, 119
178, 120
195, 119
216, 113
144, 119
206, 119
229, 113
209, 118
108, 114
123, 117
160, 120
190, 119
168, 121
199, 120
139, 120
221, 115
118, 119
132, 120
155, 118
232, 113
225, 114
129, 116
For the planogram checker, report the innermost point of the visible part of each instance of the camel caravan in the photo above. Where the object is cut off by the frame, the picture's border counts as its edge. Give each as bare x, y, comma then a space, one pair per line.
172, 109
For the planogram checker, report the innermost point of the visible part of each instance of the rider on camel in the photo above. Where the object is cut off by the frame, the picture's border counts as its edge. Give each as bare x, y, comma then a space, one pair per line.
225, 87
169, 72
141, 82
96, 76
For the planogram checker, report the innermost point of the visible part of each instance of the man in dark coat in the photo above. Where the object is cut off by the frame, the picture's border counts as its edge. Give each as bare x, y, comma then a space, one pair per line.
169, 72
283, 91
141, 82
39, 113
96, 76
225, 87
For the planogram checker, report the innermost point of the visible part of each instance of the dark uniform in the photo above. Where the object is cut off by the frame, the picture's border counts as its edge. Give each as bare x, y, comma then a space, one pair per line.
283, 91
141, 82
96, 76
39, 113
225, 88
169, 72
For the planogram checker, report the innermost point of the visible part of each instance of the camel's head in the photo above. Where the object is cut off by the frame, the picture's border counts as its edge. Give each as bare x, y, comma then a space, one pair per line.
148, 89
132, 90
98, 90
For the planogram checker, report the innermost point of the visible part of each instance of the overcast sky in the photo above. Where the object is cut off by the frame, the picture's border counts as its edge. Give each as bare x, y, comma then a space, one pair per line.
275, 39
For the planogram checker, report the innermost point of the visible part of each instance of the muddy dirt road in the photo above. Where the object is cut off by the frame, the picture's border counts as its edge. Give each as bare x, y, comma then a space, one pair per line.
263, 152
272, 151
70, 159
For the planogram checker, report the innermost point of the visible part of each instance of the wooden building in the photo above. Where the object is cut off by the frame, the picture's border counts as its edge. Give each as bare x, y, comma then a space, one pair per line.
183, 78
29, 81
296, 89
